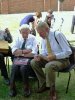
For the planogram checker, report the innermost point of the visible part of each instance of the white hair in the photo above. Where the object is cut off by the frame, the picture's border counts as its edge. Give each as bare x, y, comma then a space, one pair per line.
24, 26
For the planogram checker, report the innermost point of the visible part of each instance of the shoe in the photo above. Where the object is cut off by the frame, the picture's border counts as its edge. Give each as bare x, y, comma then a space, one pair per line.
42, 89
27, 92
13, 93
6, 81
53, 95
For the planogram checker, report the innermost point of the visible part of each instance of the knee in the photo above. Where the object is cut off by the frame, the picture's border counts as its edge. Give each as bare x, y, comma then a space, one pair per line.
22, 68
48, 67
14, 68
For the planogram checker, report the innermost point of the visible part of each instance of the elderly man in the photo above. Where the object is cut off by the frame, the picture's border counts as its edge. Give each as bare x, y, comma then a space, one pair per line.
25, 46
53, 57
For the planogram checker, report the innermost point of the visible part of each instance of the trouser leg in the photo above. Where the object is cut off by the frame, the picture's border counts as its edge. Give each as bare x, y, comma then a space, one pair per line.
37, 67
14, 72
25, 74
3, 67
50, 69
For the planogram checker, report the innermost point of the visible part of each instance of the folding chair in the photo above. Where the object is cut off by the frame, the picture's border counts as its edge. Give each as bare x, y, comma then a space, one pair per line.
67, 70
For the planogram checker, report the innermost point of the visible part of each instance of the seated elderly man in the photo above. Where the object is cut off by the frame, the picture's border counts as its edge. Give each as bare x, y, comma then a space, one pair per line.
25, 46
53, 57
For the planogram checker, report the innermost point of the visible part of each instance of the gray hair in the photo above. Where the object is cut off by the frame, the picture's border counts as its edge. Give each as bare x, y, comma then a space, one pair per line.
42, 25
24, 26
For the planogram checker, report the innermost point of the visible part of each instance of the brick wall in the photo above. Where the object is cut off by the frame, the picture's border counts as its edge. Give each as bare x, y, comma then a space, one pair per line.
22, 6
68, 5
4, 6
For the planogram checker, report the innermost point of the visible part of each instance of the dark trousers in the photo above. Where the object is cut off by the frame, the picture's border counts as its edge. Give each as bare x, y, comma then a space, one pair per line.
2, 63
3, 66
18, 72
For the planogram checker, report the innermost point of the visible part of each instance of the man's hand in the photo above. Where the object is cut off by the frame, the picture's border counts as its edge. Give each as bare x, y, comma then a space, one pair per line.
51, 57
18, 53
7, 30
26, 51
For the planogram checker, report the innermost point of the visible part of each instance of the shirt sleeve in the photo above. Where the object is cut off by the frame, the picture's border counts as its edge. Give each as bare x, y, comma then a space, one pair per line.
15, 45
35, 46
43, 47
65, 48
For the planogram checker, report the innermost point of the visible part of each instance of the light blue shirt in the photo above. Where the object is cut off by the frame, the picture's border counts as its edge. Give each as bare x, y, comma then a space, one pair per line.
61, 50
31, 43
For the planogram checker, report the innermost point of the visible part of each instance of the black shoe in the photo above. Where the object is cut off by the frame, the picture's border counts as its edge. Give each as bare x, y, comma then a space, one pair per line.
42, 89
6, 81
27, 92
13, 93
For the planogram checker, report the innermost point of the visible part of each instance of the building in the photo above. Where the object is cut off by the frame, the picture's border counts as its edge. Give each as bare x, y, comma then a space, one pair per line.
22, 6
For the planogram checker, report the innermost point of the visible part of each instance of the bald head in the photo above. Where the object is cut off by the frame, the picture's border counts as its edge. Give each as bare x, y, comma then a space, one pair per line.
42, 28
42, 25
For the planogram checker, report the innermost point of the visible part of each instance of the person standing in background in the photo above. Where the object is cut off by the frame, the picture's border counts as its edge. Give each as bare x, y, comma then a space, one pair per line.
49, 17
6, 36
33, 20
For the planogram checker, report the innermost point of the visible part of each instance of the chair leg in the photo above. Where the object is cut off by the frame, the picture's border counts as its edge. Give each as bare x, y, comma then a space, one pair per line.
68, 82
58, 74
38, 84
7, 64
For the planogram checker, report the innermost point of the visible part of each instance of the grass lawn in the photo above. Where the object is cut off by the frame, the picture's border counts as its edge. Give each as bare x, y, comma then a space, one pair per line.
12, 22
61, 83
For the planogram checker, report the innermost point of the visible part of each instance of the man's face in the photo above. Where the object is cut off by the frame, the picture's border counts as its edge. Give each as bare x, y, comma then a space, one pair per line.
42, 32
25, 33
49, 20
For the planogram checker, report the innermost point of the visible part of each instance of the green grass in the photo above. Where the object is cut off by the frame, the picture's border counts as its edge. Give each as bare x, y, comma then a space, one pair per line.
61, 83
